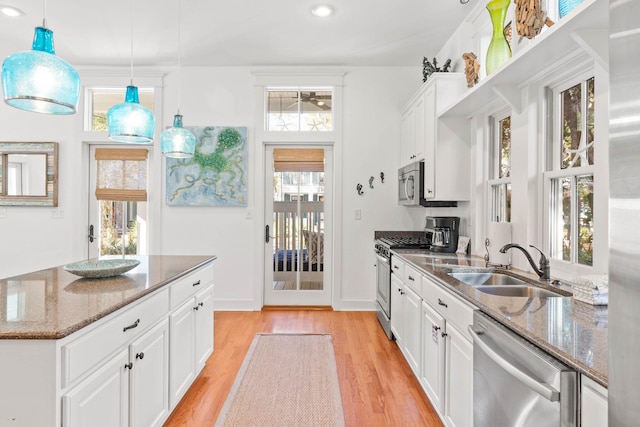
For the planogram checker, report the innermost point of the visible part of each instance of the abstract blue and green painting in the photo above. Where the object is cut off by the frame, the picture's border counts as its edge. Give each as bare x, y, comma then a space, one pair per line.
216, 175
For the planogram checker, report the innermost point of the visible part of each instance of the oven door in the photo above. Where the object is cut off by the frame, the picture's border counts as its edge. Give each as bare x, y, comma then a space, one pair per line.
383, 293
383, 283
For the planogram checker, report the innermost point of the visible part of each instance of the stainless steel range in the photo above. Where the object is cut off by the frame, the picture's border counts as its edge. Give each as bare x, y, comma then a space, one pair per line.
382, 249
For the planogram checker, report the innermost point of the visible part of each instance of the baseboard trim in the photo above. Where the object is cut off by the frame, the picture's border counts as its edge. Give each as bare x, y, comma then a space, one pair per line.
297, 307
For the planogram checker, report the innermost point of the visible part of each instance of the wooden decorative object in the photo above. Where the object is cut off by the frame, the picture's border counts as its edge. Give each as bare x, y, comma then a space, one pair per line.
471, 68
530, 18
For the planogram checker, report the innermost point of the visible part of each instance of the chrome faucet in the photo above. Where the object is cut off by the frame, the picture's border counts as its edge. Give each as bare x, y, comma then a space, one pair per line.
544, 271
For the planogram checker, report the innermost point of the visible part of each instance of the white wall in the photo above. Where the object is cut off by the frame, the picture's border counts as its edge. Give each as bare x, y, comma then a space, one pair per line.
373, 98
30, 239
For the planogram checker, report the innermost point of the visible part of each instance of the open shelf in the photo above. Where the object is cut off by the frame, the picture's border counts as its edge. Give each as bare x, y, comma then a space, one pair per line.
584, 28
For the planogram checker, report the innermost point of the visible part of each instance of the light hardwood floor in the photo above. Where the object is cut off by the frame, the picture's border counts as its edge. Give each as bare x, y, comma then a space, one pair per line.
377, 386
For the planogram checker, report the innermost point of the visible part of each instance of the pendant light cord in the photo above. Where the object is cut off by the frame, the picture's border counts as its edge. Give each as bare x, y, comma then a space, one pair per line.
179, 53
131, 43
44, 15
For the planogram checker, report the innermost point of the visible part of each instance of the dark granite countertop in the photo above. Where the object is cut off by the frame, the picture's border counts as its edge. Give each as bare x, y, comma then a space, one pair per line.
572, 331
52, 303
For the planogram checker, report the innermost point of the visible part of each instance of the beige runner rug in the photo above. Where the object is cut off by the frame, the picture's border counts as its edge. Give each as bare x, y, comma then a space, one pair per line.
285, 380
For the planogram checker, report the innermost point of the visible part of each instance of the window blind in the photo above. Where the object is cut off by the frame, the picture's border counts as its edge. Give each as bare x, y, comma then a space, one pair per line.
298, 159
121, 174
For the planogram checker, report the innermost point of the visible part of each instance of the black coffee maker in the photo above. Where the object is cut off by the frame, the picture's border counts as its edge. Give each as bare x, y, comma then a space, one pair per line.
442, 233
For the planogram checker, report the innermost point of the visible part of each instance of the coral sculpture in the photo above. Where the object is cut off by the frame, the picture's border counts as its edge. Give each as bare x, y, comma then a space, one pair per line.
471, 68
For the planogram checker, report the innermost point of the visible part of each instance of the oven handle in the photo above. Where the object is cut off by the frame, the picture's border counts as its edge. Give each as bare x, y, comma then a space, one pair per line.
381, 258
542, 389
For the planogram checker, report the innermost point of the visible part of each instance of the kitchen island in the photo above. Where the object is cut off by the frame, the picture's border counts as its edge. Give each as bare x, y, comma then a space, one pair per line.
572, 331
114, 351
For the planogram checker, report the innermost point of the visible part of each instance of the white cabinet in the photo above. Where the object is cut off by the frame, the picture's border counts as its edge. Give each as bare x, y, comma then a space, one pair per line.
447, 354
433, 355
204, 327
101, 400
191, 327
183, 339
408, 137
397, 309
131, 389
445, 151
412, 329
593, 403
459, 379
149, 377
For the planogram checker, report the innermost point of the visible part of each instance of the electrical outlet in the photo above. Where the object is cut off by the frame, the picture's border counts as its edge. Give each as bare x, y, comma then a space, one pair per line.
3, 212
357, 215
57, 213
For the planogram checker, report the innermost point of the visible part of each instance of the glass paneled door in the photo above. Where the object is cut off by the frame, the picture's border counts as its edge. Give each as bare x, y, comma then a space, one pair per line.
118, 215
297, 226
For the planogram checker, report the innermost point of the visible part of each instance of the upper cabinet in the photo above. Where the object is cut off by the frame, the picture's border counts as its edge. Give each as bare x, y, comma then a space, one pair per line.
437, 142
584, 29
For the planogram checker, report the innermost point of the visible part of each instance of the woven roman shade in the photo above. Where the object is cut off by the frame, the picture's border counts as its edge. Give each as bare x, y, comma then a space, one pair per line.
122, 174
298, 159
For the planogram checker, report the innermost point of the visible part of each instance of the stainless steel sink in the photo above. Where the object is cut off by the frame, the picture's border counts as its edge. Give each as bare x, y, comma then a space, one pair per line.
517, 291
501, 284
486, 278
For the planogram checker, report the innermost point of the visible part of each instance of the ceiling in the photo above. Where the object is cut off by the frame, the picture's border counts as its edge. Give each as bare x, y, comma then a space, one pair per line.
237, 32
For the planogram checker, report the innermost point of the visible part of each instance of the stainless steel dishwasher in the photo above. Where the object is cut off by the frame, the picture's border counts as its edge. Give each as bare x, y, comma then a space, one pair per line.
517, 384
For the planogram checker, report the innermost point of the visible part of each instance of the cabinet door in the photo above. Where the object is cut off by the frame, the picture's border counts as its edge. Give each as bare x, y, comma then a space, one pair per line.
594, 404
204, 327
102, 399
407, 137
182, 351
433, 355
418, 144
412, 329
397, 309
150, 377
429, 142
459, 379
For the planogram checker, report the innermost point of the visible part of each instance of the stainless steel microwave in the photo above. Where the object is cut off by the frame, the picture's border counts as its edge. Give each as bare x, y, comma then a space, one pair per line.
411, 184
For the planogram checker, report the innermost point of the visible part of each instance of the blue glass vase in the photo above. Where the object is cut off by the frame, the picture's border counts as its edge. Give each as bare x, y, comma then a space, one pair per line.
38, 80
129, 121
566, 6
178, 142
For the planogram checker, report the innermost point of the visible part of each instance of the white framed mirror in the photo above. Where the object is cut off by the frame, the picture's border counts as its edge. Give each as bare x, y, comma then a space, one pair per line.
29, 174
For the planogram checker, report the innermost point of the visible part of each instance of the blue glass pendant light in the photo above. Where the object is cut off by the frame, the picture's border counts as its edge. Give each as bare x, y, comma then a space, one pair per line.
129, 121
38, 80
177, 142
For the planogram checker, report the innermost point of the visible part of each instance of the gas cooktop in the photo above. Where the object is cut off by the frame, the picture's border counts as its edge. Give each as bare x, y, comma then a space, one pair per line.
405, 242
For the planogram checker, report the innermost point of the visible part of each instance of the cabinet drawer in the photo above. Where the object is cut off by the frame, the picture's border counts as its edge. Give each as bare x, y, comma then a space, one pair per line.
452, 307
412, 278
91, 347
397, 267
187, 286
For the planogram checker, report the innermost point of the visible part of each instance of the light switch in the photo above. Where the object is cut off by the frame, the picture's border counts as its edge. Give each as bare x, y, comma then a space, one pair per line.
357, 215
3, 212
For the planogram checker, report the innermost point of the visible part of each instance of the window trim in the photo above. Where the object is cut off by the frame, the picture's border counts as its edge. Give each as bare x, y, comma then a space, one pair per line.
494, 118
551, 162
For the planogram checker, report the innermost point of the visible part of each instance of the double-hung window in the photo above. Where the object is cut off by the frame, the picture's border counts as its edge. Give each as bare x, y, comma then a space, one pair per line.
500, 168
569, 176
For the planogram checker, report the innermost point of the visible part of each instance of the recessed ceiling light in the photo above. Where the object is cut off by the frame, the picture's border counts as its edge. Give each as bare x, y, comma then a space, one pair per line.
10, 11
322, 10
